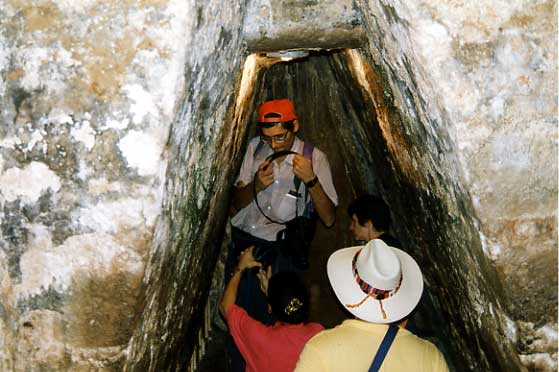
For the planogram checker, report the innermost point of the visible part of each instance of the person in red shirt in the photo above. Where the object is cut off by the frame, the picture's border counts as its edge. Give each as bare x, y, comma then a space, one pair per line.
273, 348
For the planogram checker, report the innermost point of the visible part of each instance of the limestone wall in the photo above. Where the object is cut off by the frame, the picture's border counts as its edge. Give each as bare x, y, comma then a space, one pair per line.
487, 71
493, 66
87, 94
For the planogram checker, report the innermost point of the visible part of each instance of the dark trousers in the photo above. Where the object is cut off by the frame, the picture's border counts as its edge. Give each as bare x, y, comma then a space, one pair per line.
249, 295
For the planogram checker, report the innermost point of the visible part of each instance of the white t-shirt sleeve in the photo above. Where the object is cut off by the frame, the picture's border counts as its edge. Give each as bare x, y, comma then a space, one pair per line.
321, 168
246, 174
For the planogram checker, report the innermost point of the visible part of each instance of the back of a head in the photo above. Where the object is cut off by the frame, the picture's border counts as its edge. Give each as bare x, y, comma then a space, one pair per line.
371, 208
288, 297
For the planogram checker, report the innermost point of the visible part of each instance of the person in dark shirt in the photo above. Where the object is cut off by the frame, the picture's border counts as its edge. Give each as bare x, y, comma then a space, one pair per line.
370, 219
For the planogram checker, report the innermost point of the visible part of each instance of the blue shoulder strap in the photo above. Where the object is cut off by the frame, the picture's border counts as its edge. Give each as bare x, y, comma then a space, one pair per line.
383, 348
307, 153
307, 150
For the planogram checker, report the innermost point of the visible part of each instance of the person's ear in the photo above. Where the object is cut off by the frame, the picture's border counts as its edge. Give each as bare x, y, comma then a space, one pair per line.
269, 308
295, 126
370, 228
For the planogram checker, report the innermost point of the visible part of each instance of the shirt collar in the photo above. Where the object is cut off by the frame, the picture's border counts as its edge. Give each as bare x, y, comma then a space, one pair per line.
296, 147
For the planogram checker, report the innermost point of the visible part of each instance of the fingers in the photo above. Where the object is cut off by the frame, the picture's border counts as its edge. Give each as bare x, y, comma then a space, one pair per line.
261, 274
300, 160
302, 168
265, 175
265, 168
248, 251
266, 179
246, 259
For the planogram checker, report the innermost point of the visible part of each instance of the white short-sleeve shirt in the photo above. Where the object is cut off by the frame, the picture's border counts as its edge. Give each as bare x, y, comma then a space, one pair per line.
275, 200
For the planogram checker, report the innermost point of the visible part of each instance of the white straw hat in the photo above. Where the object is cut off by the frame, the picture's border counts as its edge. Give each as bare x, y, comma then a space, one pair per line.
375, 282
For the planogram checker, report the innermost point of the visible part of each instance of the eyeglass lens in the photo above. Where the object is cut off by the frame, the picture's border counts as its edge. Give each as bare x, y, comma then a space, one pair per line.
276, 138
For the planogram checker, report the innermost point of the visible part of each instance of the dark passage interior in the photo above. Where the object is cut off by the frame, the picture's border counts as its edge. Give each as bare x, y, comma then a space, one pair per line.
329, 106
338, 118
347, 107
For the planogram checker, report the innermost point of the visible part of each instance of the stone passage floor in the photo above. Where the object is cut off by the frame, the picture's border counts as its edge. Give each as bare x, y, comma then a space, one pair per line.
214, 359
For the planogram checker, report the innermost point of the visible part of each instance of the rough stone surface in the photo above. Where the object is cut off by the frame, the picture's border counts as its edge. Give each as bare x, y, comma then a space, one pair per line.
487, 71
273, 25
204, 148
121, 129
87, 95
494, 67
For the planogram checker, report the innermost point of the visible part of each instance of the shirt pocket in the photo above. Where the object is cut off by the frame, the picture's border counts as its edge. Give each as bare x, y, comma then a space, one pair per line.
286, 208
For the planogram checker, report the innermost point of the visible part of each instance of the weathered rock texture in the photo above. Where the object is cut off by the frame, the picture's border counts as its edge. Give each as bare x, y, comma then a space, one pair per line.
87, 94
275, 25
204, 148
488, 74
122, 125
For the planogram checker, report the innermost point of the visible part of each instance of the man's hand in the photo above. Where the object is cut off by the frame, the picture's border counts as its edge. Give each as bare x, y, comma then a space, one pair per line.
302, 168
264, 276
246, 260
264, 176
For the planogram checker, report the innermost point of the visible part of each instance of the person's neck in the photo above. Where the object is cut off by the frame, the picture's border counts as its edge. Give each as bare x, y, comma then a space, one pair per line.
375, 234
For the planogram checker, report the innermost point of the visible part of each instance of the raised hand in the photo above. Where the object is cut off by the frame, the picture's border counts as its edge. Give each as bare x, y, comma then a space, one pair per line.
264, 176
302, 168
246, 260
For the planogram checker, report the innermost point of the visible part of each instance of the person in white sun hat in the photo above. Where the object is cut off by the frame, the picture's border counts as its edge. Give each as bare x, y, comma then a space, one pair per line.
380, 285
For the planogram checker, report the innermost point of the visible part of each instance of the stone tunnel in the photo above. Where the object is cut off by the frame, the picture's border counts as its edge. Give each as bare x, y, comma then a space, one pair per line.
124, 125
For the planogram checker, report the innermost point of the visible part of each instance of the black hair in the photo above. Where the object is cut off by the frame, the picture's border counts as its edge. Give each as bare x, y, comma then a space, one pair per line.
371, 208
288, 297
289, 125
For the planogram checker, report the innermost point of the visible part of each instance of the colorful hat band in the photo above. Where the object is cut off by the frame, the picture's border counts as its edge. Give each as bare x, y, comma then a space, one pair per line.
369, 290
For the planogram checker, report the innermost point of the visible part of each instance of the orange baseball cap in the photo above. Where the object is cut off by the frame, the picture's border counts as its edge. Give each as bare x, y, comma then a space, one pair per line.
278, 110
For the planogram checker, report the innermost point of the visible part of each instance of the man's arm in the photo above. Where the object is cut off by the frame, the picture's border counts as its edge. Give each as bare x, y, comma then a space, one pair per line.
246, 261
302, 168
322, 204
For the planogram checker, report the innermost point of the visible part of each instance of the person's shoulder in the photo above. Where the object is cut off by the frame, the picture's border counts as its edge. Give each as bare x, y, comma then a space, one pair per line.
328, 335
390, 240
315, 327
316, 152
254, 142
420, 350
434, 354
420, 343
256, 149
235, 311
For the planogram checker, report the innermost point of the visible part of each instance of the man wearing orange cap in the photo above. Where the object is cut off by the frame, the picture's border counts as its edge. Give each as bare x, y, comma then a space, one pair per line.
273, 180
281, 178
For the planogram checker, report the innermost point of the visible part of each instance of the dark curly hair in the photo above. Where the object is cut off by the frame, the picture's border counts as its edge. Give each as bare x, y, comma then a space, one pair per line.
288, 297
371, 208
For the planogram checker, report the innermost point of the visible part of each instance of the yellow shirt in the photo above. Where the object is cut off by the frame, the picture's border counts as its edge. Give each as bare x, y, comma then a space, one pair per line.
352, 345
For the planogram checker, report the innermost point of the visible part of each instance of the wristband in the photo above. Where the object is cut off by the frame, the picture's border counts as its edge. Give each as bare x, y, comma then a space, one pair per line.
312, 182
